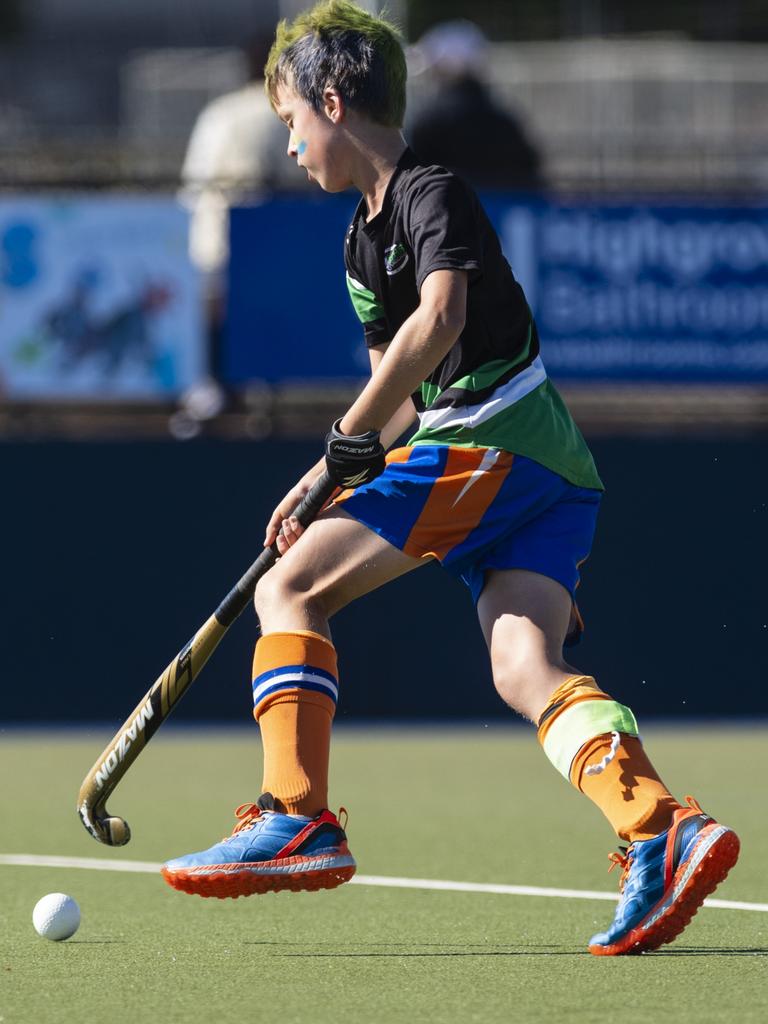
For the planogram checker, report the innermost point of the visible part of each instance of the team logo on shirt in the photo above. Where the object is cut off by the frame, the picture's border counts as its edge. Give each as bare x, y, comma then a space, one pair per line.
395, 258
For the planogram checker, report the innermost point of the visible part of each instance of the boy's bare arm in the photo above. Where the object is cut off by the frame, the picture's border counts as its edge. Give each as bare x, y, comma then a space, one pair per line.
423, 340
404, 416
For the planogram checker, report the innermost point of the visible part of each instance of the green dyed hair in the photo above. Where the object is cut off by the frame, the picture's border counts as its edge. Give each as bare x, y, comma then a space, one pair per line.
339, 44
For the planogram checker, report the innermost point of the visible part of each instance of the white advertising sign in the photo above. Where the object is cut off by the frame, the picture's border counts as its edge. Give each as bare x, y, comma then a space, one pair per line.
98, 299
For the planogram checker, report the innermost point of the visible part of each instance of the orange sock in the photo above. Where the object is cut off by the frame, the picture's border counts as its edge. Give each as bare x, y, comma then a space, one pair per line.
592, 740
628, 790
295, 688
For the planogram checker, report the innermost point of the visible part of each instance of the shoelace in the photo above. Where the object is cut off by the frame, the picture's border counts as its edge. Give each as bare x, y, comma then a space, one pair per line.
622, 858
247, 815
693, 803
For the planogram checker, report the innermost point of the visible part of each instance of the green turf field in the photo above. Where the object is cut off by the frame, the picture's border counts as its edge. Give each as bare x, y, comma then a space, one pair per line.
473, 804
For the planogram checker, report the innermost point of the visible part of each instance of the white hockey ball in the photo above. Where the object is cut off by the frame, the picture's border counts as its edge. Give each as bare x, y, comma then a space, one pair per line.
56, 916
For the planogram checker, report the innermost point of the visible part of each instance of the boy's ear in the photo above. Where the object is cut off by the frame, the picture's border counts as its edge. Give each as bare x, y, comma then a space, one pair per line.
333, 104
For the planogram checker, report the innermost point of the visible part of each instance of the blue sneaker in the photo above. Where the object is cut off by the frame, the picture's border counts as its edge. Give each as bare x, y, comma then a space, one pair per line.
267, 852
665, 880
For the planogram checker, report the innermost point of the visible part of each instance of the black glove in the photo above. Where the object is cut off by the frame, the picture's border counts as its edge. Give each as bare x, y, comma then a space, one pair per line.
354, 460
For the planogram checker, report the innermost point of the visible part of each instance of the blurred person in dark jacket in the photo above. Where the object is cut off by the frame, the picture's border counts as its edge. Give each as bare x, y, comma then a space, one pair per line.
462, 126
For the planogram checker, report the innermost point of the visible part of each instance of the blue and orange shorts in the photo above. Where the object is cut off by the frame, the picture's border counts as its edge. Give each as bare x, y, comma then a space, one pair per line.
479, 509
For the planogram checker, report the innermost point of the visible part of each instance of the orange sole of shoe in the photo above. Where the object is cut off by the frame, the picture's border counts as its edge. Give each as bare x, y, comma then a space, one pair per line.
705, 878
226, 883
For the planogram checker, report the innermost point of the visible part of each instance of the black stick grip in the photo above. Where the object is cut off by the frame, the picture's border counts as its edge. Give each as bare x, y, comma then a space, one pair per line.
242, 592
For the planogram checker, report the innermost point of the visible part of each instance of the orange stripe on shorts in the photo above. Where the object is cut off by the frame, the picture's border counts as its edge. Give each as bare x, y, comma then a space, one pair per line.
394, 455
458, 500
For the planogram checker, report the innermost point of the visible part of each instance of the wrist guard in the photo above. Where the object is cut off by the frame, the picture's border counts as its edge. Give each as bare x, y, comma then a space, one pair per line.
353, 460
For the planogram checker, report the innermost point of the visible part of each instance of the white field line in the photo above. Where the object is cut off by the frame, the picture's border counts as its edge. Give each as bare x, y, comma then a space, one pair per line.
32, 860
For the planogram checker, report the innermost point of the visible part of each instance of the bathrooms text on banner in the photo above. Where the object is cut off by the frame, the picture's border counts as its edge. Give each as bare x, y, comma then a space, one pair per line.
625, 290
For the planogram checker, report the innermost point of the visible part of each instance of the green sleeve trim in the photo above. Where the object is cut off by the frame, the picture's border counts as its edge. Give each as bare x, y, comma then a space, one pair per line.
583, 722
367, 306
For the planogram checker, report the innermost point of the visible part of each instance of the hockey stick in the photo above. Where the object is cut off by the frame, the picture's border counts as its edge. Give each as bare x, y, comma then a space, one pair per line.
155, 706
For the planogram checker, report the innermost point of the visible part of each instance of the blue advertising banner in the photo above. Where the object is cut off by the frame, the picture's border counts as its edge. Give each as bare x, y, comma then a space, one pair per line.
98, 298
664, 292
621, 291
289, 312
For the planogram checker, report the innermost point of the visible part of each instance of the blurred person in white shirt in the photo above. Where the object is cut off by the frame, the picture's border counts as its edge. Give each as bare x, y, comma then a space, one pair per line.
235, 155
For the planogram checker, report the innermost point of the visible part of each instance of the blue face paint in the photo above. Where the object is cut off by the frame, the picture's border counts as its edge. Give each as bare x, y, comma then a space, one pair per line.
301, 147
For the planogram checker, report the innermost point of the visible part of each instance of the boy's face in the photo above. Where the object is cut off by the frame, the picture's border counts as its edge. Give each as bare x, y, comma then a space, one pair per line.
316, 142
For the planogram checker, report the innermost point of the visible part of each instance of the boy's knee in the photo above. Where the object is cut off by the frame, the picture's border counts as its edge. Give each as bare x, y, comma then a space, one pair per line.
280, 588
272, 591
524, 677
510, 674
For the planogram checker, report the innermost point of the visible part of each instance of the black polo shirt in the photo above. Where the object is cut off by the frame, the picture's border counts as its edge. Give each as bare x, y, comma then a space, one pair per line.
431, 220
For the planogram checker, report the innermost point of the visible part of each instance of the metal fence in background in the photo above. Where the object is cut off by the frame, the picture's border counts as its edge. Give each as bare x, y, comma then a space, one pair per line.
640, 114
606, 113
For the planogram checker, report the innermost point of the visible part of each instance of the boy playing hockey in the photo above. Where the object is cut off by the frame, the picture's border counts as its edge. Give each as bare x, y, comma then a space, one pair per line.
497, 483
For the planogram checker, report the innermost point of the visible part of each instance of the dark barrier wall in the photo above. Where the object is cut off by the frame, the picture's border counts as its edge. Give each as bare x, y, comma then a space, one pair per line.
113, 554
